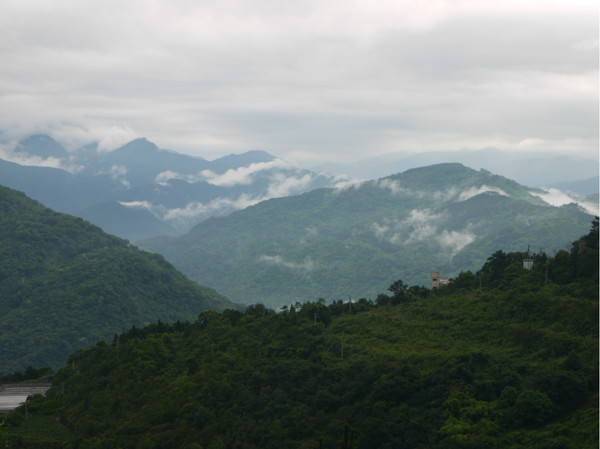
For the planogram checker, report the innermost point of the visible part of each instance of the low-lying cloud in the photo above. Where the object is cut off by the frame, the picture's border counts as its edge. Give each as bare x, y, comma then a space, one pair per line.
421, 225
474, 191
117, 173
232, 177
278, 173
454, 241
347, 184
36, 161
306, 266
195, 209
285, 185
192, 212
396, 189
559, 198
242, 175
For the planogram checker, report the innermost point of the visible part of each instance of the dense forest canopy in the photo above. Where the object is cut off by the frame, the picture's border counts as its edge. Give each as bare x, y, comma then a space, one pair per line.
505, 357
65, 284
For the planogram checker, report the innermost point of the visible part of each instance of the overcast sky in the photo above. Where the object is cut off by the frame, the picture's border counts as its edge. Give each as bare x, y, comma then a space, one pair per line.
309, 81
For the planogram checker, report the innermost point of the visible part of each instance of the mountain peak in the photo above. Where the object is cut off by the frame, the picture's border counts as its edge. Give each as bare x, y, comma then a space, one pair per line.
244, 159
41, 145
141, 145
435, 173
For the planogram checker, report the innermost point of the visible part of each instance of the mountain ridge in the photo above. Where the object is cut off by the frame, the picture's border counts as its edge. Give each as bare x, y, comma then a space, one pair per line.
65, 284
139, 176
290, 249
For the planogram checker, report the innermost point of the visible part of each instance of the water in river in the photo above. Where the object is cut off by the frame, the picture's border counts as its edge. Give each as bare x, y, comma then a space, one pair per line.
13, 395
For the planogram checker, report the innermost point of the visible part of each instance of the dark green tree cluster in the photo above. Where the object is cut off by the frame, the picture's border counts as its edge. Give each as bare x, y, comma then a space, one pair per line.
30, 373
65, 284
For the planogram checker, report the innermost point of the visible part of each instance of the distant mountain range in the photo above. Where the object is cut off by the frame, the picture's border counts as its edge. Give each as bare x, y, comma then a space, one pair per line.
139, 191
358, 239
572, 174
65, 284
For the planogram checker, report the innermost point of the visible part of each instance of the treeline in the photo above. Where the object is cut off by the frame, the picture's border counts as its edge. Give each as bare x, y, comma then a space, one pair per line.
511, 364
29, 374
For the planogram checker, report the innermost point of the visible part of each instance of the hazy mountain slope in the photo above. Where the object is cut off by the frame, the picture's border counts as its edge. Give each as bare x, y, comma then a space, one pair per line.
129, 223
340, 242
587, 186
120, 190
529, 168
42, 146
65, 284
140, 161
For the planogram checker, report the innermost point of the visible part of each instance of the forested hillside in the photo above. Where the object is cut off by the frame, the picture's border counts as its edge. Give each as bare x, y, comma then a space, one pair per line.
350, 241
65, 284
503, 358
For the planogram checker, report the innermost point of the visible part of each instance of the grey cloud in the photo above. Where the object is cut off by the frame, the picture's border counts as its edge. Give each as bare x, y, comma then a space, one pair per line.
320, 80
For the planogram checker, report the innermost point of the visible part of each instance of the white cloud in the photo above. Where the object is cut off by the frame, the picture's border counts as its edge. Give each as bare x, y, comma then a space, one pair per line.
423, 225
474, 191
282, 185
234, 176
157, 211
306, 266
393, 186
35, 161
195, 209
454, 241
347, 184
558, 198
381, 231
192, 212
242, 175
117, 173
420, 225
107, 137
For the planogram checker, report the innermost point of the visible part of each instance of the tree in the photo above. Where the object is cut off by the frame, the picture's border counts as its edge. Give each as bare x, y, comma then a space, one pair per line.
533, 407
398, 287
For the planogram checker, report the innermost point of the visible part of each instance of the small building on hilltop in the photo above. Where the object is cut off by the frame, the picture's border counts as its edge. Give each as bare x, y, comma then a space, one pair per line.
437, 281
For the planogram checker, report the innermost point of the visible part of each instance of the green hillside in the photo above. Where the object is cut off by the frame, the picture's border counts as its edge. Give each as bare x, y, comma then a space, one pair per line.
348, 242
512, 364
65, 284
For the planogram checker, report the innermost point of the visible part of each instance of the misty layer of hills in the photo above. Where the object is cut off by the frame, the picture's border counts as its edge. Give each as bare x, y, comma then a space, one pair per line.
572, 174
351, 240
261, 230
139, 191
